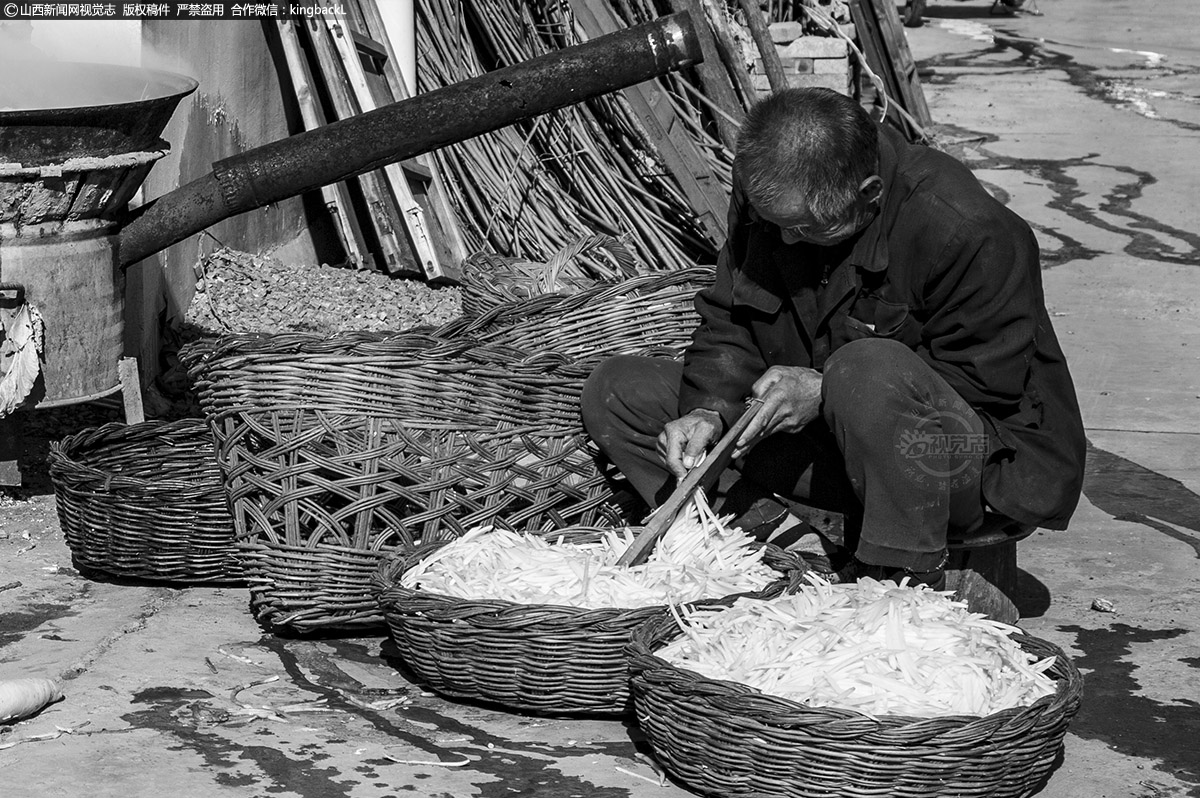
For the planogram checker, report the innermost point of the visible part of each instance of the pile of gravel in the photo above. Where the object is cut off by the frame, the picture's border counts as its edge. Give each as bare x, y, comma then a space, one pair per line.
237, 292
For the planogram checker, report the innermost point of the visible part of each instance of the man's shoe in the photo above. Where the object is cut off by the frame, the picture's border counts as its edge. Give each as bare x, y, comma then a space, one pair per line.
762, 519
935, 579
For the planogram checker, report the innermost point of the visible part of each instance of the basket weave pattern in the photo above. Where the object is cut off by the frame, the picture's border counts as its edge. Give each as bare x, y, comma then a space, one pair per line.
489, 280
365, 444
145, 501
548, 659
647, 314
723, 738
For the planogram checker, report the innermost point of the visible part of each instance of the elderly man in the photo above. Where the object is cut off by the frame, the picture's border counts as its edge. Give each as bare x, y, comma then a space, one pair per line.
888, 313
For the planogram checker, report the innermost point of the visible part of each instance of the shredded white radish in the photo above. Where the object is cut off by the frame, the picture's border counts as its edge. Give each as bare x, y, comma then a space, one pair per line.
875, 647
697, 557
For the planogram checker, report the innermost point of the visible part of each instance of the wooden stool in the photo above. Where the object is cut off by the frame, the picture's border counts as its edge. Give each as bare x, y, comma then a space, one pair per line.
982, 568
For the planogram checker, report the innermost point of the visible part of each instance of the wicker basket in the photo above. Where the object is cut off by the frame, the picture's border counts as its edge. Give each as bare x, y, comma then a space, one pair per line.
489, 280
724, 738
145, 501
547, 659
311, 588
341, 449
647, 314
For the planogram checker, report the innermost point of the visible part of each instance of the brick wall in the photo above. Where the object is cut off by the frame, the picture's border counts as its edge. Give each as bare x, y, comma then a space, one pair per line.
809, 60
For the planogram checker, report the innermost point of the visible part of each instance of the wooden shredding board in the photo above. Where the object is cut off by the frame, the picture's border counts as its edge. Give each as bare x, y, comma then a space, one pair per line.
702, 477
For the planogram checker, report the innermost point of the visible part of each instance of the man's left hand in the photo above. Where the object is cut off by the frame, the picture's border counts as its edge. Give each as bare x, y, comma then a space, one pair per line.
791, 398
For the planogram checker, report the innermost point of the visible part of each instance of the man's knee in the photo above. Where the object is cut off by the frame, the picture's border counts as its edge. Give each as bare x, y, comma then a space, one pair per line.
600, 386
863, 374
630, 387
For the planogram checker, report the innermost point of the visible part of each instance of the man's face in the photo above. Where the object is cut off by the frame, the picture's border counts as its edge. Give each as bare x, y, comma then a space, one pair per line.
797, 224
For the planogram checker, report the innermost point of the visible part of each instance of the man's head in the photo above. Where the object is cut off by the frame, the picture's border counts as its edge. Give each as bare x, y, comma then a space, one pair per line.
809, 161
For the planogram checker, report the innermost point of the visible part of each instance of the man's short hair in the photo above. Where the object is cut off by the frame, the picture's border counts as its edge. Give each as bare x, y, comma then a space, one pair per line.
807, 142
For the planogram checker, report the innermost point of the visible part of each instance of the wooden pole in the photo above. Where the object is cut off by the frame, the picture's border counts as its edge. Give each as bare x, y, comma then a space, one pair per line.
730, 52
716, 81
766, 46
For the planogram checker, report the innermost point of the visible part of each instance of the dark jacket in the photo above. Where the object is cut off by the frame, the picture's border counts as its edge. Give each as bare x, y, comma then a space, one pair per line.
945, 269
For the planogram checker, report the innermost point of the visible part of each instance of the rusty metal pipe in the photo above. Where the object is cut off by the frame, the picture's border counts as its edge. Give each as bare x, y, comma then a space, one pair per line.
411, 127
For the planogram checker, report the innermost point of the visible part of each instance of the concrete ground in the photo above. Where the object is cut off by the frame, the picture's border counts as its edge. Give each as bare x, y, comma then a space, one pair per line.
1087, 120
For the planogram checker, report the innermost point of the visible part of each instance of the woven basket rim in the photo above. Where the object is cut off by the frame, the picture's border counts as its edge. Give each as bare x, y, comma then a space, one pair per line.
597, 294
348, 348
643, 659
66, 466
625, 261
389, 592
327, 548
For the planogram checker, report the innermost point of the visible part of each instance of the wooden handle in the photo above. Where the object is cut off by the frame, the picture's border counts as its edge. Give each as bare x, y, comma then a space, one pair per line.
700, 478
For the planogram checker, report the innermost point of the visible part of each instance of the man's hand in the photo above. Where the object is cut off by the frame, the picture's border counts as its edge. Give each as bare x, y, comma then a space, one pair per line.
791, 397
682, 443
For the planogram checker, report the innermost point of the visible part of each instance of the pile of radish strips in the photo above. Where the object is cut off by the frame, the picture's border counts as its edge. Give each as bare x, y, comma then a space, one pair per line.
875, 647
698, 556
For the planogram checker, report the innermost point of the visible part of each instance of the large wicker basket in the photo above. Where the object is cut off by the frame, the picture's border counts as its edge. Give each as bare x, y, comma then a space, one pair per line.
646, 314
547, 659
335, 451
727, 739
489, 279
145, 501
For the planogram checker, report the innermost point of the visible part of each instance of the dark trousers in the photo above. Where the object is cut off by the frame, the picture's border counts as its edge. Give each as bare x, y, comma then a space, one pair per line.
896, 449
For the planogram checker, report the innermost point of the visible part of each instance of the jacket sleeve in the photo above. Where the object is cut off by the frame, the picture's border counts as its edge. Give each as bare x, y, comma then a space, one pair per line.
981, 335
723, 362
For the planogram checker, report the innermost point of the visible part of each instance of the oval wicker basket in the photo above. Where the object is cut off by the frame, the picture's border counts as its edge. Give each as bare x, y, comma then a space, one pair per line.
489, 279
311, 588
724, 738
145, 501
540, 658
337, 450
646, 314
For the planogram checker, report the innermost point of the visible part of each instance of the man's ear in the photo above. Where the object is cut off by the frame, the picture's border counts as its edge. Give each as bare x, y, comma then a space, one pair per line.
871, 189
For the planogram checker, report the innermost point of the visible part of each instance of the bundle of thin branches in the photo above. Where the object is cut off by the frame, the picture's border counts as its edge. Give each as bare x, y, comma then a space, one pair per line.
529, 189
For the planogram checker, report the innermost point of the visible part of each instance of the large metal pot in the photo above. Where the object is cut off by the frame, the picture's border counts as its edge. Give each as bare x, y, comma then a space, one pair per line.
76, 142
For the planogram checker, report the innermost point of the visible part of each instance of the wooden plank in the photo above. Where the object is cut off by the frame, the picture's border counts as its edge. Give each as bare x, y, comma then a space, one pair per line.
443, 218
411, 214
131, 390
394, 254
730, 52
702, 189
716, 82
902, 59
368, 45
889, 57
336, 197
873, 47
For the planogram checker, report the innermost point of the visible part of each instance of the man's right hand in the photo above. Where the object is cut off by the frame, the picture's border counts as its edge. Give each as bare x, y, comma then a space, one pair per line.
683, 442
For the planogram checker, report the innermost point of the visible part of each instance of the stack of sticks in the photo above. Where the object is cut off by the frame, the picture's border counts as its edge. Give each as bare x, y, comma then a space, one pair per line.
527, 190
